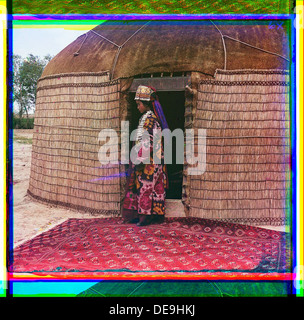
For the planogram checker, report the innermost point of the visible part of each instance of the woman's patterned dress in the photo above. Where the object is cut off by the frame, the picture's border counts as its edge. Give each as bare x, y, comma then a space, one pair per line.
148, 182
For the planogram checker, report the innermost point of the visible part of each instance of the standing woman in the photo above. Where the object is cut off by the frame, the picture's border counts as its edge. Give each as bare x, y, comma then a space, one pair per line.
146, 186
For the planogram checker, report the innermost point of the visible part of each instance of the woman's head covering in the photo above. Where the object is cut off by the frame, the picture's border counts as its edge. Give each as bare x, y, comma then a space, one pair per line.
145, 93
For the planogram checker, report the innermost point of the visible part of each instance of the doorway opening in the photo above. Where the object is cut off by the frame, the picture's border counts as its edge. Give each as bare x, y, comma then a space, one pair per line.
173, 104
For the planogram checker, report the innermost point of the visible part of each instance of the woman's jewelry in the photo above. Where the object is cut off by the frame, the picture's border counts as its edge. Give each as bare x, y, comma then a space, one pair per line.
140, 128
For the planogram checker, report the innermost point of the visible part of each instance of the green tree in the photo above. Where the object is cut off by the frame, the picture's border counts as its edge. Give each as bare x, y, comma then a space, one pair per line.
26, 74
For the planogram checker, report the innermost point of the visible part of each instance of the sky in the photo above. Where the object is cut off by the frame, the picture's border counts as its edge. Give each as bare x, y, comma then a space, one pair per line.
42, 41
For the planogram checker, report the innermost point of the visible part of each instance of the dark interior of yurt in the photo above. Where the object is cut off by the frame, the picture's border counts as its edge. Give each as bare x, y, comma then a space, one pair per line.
228, 77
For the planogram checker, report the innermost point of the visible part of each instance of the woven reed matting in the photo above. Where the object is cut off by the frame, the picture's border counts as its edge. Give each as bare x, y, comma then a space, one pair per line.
70, 112
247, 177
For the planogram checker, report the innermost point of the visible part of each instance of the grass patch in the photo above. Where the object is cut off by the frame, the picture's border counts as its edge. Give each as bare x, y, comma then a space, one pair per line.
23, 140
23, 123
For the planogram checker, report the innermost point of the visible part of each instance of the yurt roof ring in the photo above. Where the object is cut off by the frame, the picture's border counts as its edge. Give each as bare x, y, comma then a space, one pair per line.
223, 36
115, 44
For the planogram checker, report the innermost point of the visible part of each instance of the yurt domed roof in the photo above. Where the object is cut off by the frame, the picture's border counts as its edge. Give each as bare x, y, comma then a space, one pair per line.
139, 47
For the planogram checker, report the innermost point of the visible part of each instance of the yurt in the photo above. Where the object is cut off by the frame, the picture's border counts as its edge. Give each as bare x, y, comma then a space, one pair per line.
228, 77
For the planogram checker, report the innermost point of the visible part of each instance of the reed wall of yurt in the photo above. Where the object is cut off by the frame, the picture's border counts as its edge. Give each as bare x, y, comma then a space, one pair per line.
247, 178
190, 112
245, 114
71, 110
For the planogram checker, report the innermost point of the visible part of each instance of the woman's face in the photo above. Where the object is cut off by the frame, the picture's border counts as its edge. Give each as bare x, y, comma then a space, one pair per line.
141, 107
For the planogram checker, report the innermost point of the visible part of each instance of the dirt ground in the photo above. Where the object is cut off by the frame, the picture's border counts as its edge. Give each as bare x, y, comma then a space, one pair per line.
30, 217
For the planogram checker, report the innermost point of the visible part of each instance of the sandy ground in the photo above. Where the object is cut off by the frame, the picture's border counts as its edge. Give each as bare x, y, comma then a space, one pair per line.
30, 217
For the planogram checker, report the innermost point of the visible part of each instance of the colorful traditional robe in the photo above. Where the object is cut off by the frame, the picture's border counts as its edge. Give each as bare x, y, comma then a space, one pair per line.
145, 193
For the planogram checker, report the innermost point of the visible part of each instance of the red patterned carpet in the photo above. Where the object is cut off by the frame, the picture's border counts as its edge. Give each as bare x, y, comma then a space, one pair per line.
190, 245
